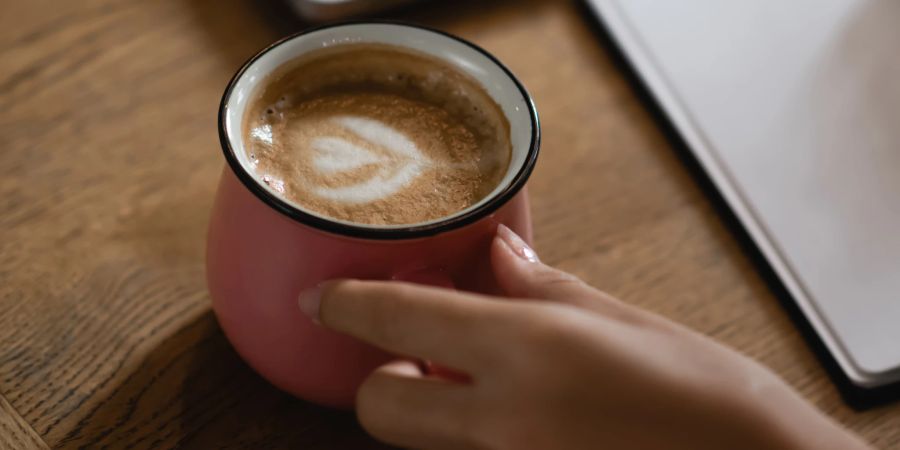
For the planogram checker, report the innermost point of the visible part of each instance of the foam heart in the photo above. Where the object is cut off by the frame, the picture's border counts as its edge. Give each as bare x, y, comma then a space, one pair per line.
339, 155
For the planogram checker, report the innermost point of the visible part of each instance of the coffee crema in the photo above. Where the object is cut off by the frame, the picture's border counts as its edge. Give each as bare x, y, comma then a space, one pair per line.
376, 134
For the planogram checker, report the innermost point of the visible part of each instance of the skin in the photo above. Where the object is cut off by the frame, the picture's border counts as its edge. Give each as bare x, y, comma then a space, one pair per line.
556, 364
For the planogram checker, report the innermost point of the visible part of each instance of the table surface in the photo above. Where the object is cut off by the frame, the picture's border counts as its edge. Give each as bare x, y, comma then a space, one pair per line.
109, 161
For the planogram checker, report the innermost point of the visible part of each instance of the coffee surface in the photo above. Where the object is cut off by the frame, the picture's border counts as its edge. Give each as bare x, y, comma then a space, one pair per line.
374, 134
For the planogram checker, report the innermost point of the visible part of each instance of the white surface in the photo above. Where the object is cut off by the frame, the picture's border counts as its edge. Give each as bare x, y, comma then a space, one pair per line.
495, 81
793, 108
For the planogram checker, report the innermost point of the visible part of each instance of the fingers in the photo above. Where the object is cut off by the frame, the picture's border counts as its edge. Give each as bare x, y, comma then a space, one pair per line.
445, 326
520, 273
396, 404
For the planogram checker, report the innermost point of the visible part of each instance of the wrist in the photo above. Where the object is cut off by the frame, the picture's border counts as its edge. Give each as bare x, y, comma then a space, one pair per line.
774, 416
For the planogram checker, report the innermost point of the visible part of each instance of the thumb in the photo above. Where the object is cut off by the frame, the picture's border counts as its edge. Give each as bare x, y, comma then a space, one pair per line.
520, 273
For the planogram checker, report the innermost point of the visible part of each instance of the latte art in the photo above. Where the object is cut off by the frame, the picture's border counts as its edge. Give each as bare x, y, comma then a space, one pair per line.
338, 155
376, 135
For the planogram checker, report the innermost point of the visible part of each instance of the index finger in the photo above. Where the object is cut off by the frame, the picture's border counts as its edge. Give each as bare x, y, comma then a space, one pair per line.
449, 327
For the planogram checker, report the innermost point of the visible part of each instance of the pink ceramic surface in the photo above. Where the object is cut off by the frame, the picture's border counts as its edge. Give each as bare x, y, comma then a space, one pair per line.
262, 250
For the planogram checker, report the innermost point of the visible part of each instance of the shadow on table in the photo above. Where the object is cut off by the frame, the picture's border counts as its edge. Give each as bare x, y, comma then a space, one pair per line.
193, 391
224, 404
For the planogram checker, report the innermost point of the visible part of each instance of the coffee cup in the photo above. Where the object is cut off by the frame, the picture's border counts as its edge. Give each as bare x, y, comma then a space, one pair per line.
263, 249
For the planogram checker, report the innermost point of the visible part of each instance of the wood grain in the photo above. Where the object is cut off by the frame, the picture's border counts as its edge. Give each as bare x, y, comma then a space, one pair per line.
108, 165
15, 433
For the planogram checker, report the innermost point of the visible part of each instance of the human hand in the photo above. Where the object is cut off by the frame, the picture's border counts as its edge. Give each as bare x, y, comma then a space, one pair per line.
557, 365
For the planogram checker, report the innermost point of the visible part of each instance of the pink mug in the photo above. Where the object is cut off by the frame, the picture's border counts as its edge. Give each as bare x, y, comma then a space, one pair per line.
262, 249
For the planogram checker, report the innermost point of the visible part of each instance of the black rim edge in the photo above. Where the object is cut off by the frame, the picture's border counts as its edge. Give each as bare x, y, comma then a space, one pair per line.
356, 231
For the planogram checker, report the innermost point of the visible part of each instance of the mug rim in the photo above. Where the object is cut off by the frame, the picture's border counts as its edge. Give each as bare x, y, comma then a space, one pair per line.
322, 223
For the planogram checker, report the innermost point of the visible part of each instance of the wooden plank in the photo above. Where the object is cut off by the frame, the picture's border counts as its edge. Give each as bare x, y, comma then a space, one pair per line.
15, 433
109, 162
192, 391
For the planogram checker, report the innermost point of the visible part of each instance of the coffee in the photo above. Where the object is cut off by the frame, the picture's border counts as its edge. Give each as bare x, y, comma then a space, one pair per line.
376, 134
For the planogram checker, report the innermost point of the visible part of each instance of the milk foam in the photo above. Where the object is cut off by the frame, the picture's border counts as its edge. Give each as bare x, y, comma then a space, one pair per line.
374, 134
381, 134
336, 154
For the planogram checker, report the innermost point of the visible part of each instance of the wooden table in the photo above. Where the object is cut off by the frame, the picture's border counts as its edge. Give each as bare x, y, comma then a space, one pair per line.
110, 158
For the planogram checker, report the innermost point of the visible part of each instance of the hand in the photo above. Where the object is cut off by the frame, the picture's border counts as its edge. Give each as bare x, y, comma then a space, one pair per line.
560, 366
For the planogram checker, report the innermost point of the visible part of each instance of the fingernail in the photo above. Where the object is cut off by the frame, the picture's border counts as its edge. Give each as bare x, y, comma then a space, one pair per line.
309, 301
518, 246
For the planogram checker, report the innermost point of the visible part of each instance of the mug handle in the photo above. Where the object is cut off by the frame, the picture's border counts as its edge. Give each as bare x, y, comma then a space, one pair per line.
437, 278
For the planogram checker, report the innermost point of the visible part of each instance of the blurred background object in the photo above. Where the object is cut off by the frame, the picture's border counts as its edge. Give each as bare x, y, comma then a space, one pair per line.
327, 10
796, 126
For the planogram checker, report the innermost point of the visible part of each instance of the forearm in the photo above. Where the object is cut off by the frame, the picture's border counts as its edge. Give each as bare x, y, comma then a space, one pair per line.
783, 420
